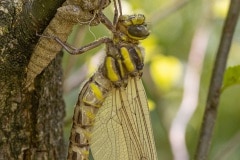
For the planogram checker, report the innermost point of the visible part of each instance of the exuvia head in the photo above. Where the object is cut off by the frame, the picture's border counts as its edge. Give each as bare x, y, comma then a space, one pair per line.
132, 27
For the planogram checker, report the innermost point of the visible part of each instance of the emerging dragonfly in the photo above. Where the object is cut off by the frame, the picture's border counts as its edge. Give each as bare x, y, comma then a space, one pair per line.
111, 116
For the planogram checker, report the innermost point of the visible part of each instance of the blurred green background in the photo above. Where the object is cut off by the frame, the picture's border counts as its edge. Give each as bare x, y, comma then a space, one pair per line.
180, 54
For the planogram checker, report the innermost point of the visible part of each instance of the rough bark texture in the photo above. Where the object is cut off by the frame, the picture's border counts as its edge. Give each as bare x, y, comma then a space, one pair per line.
30, 122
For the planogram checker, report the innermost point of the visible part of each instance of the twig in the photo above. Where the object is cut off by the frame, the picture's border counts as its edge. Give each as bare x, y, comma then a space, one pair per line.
216, 81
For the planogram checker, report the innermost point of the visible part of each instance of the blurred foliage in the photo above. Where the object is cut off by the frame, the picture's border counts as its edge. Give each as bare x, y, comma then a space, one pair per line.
167, 50
231, 77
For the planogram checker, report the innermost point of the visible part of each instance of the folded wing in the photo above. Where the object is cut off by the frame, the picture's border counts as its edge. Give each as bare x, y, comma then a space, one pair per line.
122, 129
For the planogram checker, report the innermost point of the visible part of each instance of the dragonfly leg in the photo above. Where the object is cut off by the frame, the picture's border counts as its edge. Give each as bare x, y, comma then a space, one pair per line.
74, 51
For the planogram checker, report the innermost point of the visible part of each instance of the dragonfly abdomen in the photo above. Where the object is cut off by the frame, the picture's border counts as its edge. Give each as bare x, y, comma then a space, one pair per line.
92, 95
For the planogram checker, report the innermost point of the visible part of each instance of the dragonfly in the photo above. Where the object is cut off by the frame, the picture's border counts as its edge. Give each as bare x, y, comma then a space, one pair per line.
111, 117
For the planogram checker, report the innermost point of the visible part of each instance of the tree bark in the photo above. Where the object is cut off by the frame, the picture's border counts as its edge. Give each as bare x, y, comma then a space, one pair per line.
31, 123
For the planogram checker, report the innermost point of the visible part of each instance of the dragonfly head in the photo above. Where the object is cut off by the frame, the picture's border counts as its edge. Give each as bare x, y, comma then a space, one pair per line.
132, 27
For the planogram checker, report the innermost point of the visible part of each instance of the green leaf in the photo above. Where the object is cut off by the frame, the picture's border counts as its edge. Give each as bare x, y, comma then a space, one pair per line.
231, 77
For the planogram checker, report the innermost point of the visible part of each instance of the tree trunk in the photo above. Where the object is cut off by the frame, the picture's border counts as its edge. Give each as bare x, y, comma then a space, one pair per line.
31, 123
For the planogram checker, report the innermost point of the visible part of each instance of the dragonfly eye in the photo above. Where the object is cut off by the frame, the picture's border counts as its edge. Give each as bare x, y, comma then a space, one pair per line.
138, 31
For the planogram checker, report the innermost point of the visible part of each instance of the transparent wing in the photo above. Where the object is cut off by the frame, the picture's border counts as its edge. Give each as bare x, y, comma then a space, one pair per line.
122, 129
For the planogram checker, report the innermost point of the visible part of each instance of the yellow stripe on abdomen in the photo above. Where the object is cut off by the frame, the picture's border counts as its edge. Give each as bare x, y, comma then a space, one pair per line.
96, 90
